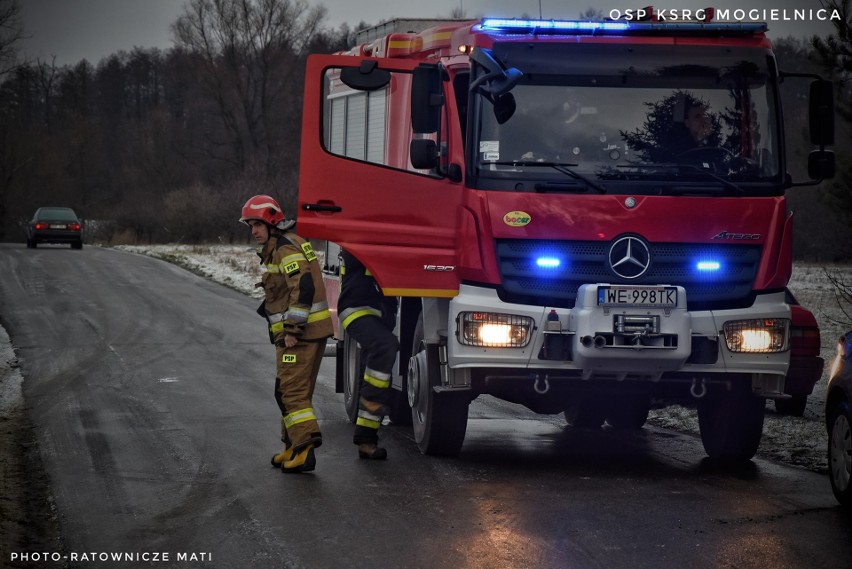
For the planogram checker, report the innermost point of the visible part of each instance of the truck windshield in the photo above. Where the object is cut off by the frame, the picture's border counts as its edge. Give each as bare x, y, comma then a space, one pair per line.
625, 118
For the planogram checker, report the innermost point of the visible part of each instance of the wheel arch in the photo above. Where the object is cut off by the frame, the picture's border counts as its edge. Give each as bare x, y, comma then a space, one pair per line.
435, 312
834, 398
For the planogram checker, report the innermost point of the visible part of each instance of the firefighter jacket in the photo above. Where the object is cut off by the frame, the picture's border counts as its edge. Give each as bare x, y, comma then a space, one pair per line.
294, 295
360, 295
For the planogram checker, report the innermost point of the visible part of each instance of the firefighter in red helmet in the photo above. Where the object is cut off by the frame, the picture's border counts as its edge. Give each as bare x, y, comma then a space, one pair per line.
299, 322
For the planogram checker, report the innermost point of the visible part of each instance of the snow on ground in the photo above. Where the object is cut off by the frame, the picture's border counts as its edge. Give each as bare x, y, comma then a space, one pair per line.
795, 440
235, 266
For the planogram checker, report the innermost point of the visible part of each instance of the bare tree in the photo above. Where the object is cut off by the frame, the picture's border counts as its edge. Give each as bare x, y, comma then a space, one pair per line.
458, 13
250, 55
835, 53
836, 50
11, 30
46, 79
843, 297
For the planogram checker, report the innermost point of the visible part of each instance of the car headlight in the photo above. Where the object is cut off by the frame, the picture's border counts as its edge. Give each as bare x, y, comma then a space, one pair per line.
494, 330
763, 336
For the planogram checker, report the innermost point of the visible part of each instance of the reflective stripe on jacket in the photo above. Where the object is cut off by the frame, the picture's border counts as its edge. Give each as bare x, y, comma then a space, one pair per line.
294, 295
360, 295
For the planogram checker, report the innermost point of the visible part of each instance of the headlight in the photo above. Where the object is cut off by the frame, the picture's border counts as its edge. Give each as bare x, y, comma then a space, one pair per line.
494, 330
757, 336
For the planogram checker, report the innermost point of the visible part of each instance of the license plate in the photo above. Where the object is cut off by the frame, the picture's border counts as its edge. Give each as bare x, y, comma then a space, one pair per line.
58, 226
658, 297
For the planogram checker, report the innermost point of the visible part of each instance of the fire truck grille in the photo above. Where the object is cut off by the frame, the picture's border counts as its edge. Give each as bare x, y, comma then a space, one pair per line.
725, 282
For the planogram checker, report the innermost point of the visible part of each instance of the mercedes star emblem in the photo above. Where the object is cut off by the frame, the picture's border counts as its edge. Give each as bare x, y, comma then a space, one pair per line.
629, 257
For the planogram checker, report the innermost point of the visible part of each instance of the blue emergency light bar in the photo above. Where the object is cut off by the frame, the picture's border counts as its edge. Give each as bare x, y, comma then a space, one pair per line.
584, 27
551, 25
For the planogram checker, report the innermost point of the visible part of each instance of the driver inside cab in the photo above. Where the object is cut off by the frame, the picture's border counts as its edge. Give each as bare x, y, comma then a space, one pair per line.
698, 124
693, 126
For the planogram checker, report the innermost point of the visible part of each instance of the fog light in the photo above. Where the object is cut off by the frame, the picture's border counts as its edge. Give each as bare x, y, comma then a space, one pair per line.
757, 336
494, 330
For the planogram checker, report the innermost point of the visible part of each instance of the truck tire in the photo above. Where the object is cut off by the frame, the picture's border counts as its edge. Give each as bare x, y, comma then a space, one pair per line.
353, 370
585, 413
794, 407
400, 413
731, 422
839, 452
439, 420
628, 413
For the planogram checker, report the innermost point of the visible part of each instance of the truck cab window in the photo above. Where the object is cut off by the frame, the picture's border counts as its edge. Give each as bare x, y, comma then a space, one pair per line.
656, 120
356, 123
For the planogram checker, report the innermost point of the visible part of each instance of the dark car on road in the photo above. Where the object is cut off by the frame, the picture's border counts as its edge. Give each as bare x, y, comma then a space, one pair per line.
805, 362
55, 225
838, 417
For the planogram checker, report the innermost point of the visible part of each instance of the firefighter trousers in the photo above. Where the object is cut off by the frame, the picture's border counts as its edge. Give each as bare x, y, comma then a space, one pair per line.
296, 377
379, 346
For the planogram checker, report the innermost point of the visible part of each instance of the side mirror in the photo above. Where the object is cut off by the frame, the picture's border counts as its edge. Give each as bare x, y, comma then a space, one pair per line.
497, 80
367, 77
427, 97
424, 153
821, 111
821, 165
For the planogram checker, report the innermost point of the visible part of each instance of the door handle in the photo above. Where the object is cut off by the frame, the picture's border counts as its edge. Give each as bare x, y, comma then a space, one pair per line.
329, 207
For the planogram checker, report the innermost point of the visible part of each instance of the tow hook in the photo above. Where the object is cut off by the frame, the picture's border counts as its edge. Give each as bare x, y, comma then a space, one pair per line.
698, 391
538, 389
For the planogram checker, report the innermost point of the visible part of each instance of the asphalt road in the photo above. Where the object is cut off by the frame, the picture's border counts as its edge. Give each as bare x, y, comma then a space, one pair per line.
151, 392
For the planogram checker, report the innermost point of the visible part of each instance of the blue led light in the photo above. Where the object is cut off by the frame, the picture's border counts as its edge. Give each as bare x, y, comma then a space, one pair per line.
552, 25
708, 266
642, 28
548, 262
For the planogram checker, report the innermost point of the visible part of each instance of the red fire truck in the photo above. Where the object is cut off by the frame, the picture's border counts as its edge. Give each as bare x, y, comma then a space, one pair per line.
580, 217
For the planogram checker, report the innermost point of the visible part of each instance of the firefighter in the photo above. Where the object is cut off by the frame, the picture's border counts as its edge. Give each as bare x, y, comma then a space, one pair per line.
698, 123
299, 323
369, 317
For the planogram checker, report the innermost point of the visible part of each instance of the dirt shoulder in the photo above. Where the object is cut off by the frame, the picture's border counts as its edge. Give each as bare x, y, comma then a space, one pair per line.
28, 520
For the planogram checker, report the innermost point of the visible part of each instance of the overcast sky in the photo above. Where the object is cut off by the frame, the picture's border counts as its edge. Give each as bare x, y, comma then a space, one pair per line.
92, 29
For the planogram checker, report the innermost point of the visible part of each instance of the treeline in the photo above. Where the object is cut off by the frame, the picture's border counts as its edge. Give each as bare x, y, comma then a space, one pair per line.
165, 146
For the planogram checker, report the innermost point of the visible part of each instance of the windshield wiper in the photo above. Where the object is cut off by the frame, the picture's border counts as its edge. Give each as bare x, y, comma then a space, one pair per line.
726, 184
559, 167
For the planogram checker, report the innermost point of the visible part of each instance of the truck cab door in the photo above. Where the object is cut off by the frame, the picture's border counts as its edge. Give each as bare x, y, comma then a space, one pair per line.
357, 186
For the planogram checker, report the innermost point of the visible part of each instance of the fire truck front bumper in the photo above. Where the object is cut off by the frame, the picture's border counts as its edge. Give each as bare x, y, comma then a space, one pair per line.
616, 332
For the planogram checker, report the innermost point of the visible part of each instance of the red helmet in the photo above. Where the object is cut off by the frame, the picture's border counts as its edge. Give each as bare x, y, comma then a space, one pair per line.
262, 208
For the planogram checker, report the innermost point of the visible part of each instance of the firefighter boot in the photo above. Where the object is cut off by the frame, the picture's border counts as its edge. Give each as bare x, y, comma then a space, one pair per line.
371, 451
302, 461
281, 457
287, 453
